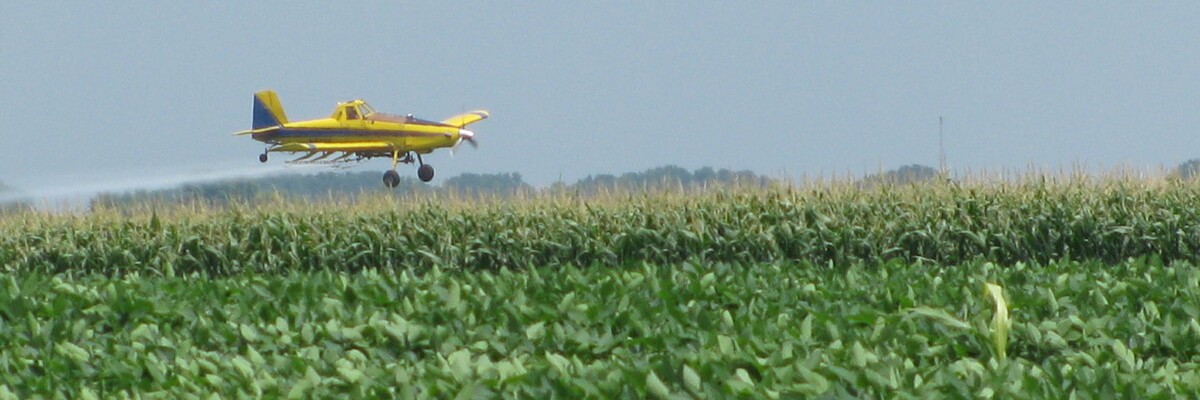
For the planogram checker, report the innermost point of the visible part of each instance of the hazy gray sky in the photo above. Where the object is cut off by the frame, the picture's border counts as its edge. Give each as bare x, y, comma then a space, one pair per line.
127, 90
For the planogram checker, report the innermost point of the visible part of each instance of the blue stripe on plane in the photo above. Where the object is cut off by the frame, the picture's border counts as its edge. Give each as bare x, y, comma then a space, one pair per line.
262, 115
321, 132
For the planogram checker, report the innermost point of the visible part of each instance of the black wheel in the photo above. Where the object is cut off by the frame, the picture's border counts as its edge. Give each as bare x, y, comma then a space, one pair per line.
262, 157
425, 172
391, 178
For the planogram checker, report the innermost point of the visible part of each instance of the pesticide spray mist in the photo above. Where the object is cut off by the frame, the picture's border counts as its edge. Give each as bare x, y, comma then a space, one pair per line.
74, 196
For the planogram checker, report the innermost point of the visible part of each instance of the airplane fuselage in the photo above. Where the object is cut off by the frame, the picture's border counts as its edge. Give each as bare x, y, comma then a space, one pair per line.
403, 136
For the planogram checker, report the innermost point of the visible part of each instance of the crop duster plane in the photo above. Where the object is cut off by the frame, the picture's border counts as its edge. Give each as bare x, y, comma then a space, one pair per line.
356, 132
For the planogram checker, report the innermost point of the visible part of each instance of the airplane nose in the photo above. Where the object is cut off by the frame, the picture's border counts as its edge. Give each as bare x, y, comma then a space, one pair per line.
468, 136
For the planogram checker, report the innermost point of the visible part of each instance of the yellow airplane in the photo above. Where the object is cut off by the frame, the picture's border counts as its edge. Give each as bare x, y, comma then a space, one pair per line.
357, 132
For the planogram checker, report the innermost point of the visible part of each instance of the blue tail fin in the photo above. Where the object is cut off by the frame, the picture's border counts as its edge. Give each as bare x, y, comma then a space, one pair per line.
267, 110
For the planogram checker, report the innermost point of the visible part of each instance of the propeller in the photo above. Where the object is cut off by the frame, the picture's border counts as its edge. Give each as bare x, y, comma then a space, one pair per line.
468, 136
464, 136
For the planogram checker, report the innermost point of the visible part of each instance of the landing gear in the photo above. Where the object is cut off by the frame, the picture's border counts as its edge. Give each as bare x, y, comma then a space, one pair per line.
391, 178
262, 158
425, 172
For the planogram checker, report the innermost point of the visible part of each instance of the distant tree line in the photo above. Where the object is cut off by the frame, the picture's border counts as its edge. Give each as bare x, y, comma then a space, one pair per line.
1188, 169
481, 185
908, 174
915, 173
342, 185
667, 177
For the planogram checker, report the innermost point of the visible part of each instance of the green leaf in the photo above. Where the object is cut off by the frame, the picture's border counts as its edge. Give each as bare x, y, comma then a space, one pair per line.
142, 332
535, 331
460, 364
475, 391
939, 316
861, 357
560, 363
691, 380
300, 389
725, 344
806, 329
814, 383
306, 333
1126, 356
508, 369
254, 356
656, 386
214, 380
349, 373
73, 351
243, 367
85, 393
249, 333
353, 334
281, 325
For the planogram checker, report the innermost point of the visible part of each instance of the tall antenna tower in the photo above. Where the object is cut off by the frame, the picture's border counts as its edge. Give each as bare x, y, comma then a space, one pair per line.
941, 148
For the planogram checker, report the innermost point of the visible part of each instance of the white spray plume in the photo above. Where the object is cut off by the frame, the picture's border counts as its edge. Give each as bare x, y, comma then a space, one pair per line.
75, 195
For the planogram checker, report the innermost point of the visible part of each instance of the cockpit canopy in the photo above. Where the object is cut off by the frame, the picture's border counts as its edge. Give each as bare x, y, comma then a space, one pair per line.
352, 110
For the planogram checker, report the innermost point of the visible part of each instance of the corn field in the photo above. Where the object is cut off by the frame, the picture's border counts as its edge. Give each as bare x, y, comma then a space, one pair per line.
1109, 221
1035, 289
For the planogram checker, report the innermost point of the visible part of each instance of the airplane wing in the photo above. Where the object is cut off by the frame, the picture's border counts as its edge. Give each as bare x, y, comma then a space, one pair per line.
260, 130
462, 120
343, 146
